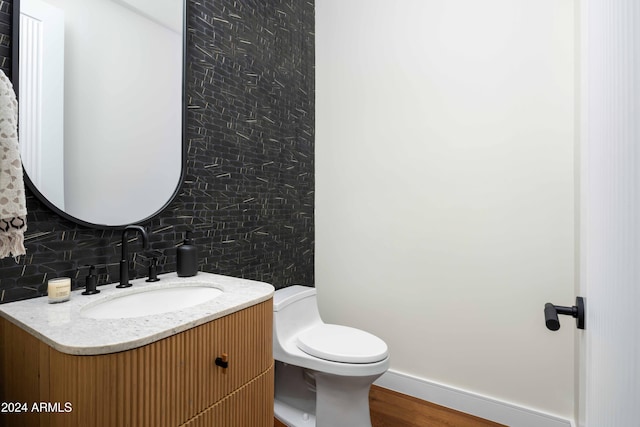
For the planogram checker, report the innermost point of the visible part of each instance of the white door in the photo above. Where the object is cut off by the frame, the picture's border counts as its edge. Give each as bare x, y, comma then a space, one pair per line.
609, 348
41, 96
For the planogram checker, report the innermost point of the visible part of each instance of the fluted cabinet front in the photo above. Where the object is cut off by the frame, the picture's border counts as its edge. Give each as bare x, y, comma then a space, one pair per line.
171, 382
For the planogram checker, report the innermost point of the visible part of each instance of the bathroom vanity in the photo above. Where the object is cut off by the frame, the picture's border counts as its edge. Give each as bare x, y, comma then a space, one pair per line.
210, 364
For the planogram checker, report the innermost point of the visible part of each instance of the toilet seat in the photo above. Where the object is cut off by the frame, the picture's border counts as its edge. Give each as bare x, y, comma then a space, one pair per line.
342, 344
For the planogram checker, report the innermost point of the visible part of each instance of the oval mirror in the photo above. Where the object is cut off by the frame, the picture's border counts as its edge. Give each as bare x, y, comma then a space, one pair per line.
100, 89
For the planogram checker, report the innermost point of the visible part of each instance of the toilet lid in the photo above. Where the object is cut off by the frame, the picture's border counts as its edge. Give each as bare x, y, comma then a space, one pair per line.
342, 344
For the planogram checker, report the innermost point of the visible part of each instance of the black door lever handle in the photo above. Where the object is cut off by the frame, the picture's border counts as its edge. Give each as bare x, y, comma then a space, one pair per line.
551, 314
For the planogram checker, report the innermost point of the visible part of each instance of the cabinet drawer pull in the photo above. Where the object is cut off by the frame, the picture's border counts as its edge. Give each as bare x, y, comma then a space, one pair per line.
223, 361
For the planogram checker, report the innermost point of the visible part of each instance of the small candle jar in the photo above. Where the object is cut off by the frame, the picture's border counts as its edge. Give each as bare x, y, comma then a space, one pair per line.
59, 289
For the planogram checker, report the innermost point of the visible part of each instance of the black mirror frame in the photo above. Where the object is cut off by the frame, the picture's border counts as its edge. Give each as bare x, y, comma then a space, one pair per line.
15, 73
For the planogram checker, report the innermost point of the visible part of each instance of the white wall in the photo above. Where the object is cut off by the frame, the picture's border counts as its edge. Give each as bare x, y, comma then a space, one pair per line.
445, 187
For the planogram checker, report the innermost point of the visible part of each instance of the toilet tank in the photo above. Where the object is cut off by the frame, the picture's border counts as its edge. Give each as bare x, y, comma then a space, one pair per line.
295, 308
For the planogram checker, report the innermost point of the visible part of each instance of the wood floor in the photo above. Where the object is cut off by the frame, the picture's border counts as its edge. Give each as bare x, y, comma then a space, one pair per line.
393, 409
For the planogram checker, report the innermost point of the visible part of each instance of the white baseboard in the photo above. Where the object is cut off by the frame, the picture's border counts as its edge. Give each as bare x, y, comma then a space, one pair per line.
471, 403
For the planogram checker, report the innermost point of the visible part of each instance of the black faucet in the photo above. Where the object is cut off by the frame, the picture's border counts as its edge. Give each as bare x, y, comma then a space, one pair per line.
124, 262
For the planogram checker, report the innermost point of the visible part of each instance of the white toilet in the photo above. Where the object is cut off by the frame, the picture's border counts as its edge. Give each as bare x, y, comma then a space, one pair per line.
323, 372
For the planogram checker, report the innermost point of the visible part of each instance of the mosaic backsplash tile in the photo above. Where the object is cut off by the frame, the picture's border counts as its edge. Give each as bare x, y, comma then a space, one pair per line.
248, 192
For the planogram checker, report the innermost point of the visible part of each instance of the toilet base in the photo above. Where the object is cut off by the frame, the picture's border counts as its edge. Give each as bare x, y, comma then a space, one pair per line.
338, 401
343, 401
292, 417
295, 398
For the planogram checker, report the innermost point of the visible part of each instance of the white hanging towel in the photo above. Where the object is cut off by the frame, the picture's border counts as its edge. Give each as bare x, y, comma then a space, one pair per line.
13, 206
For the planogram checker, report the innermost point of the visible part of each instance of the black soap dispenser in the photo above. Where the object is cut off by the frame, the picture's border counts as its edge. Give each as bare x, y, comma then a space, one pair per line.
187, 258
91, 282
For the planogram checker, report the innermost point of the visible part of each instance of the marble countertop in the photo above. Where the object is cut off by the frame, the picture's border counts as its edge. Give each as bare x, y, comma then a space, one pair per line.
63, 327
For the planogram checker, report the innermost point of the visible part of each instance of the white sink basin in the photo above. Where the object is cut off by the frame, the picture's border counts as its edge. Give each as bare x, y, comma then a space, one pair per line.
148, 302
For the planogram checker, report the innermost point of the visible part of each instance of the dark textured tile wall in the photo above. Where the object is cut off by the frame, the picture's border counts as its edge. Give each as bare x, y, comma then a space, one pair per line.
6, 7
248, 192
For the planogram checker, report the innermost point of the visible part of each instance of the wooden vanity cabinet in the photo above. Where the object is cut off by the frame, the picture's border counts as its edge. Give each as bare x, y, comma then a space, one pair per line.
172, 382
